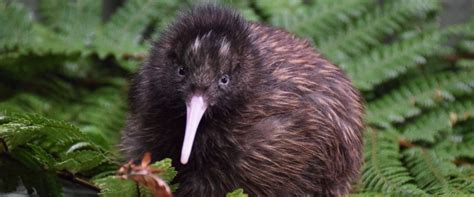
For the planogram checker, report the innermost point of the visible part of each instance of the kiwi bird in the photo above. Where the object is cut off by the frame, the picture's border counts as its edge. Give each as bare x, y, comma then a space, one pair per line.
239, 104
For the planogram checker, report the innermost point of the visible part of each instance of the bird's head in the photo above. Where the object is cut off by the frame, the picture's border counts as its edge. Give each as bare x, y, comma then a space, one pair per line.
205, 61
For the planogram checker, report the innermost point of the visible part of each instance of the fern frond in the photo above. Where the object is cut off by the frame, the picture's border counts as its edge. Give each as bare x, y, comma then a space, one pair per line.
270, 8
14, 134
274, 8
99, 114
16, 24
434, 175
245, 8
79, 161
366, 194
465, 63
429, 126
102, 114
237, 193
55, 144
417, 94
30, 99
383, 171
17, 130
62, 16
323, 18
369, 30
458, 145
112, 186
21, 35
76, 22
30, 172
468, 43
122, 35
388, 62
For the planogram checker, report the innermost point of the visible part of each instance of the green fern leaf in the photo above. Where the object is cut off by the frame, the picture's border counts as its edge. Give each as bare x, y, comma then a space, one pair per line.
466, 31
434, 175
388, 62
466, 63
383, 170
169, 171
112, 186
274, 8
27, 169
369, 30
76, 22
237, 193
55, 144
366, 194
46, 160
79, 161
16, 24
455, 147
429, 127
323, 18
417, 94
122, 35
21, 34
16, 133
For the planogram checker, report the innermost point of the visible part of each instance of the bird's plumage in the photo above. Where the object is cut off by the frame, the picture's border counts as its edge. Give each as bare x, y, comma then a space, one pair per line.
288, 122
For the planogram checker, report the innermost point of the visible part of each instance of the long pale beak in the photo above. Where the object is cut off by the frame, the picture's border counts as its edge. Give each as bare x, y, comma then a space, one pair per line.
195, 108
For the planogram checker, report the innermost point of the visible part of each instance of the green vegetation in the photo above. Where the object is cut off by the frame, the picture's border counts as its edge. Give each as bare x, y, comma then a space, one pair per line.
64, 77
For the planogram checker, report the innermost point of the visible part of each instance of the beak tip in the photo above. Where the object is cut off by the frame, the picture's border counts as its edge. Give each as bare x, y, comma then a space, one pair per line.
184, 161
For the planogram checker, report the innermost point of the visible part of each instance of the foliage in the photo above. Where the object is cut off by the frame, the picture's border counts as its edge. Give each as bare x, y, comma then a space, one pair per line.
64, 71
237, 193
383, 170
113, 186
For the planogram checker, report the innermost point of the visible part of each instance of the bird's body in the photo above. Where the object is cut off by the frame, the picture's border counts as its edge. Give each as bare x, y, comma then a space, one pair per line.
286, 122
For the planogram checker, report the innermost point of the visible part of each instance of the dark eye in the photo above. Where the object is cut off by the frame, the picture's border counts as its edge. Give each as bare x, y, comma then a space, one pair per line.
181, 71
224, 80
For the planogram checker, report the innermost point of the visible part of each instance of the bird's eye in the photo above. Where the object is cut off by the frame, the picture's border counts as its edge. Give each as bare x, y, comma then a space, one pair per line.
224, 80
181, 71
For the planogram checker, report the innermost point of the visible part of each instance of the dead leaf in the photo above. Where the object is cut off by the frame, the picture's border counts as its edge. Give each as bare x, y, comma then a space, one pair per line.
146, 175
